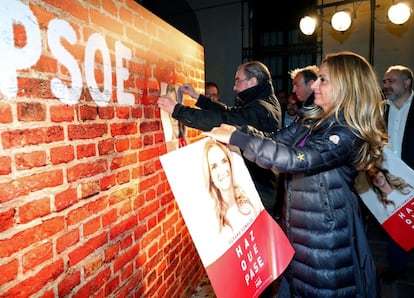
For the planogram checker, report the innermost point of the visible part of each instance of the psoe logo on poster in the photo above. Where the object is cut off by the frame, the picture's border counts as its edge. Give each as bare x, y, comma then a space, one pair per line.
17, 58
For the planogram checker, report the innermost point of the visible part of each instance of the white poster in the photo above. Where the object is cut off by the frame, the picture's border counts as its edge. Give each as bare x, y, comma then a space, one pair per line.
389, 195
226, 219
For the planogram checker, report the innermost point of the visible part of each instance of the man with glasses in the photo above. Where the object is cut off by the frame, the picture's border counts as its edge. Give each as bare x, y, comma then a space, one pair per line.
302, 80
212, 91
291, 112
256, 105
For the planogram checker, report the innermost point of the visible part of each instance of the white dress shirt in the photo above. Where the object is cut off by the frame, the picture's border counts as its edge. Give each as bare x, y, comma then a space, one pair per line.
396, 124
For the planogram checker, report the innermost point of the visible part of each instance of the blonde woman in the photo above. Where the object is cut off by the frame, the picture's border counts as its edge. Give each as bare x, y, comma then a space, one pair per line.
321, 154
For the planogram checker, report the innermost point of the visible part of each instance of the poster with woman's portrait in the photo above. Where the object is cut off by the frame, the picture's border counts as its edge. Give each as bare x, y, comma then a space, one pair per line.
388, 192
174, 130
229, 226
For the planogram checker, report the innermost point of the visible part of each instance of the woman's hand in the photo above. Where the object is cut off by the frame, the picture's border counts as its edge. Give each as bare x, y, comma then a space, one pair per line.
166, 103
221, 133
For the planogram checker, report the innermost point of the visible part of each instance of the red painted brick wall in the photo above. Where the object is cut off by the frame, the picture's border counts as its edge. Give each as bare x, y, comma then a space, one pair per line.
85, 207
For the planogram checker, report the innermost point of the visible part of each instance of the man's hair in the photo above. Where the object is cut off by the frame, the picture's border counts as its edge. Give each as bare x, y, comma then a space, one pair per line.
211, 84
309, 73
256, 69
406, 72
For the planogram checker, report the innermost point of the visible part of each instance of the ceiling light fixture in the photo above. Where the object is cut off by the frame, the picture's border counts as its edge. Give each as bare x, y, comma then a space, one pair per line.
307, 25
341, 21
399, 13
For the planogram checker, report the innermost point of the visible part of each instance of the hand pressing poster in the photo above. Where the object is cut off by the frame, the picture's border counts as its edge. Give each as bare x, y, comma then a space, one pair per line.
389, 194
174, 130
242, 248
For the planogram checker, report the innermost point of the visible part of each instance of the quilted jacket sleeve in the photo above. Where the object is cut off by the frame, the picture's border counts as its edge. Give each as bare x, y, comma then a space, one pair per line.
323, 150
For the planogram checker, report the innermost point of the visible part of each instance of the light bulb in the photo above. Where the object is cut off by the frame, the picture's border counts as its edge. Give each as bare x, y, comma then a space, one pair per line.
307, 25
399, 13
341, 21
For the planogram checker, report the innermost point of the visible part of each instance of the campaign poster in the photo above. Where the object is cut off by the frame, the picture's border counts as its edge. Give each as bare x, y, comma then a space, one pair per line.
388, 193
240, 245
174, 130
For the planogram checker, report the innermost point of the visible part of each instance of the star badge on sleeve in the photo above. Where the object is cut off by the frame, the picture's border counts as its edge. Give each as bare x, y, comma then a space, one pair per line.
301, 157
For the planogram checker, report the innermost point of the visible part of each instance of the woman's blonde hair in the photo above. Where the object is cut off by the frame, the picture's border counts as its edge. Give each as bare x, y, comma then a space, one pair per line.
357, 93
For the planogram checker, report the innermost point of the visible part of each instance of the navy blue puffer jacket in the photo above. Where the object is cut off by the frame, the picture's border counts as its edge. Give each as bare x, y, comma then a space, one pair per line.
321, 212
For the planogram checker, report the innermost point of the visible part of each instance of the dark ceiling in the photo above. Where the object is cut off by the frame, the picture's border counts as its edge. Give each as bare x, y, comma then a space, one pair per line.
280, 15
177, 13
267, 16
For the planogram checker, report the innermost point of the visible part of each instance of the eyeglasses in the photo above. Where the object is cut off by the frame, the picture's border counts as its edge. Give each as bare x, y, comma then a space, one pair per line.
238, 81
212, 95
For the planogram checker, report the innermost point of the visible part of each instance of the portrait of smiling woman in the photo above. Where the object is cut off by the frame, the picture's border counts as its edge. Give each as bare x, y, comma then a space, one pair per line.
391, 191
232, 207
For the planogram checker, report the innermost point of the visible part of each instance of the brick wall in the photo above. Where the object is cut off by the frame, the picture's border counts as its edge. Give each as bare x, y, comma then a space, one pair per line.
85, 208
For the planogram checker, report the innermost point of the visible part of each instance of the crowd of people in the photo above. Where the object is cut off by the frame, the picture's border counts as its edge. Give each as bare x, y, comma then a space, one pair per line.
314, 143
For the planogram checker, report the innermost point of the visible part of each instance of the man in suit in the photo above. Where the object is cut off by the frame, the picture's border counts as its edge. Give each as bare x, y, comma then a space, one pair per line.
399, 115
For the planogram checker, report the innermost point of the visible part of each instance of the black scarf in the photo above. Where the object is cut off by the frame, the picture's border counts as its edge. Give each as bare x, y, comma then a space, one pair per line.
261, 91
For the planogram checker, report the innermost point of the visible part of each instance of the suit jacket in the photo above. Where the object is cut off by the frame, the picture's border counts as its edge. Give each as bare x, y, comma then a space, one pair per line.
407, 150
